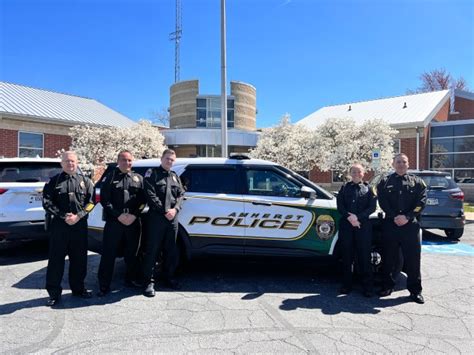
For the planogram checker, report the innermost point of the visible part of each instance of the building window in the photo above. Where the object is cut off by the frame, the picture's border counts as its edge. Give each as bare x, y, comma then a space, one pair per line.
213, 151
208, 112
30, 144
452, 149
396, 146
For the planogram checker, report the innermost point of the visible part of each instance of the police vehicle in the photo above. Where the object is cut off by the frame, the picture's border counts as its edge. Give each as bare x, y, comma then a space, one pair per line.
242, 206
21, 190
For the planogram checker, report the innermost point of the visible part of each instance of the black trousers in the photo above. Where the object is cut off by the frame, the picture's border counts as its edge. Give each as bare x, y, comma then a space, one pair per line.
116, 237
161, 238
407, 238
67, 240
356, 242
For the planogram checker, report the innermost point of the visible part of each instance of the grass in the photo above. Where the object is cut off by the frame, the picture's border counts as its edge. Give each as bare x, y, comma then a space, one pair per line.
468, 207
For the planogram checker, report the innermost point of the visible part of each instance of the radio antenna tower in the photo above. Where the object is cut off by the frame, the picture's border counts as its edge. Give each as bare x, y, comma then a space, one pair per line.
176, 37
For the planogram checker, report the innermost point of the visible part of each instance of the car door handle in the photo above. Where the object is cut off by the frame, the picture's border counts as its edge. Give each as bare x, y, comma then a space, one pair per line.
261, 203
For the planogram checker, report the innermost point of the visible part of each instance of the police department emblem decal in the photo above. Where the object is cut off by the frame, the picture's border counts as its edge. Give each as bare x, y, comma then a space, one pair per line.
325, 227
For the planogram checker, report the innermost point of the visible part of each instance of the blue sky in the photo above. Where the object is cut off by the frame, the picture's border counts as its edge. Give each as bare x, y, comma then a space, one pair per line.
301, 55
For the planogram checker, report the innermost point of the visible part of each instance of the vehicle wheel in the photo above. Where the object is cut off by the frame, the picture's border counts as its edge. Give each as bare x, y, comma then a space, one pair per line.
455, 233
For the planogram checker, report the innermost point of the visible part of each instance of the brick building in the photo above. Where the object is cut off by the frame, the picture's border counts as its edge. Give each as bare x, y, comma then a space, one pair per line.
36, 122
436, 130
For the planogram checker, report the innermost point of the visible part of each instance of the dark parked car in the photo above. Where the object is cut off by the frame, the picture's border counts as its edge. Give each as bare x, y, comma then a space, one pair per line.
444, 205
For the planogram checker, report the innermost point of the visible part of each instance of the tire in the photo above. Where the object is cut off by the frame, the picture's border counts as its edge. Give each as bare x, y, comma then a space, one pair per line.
454, 234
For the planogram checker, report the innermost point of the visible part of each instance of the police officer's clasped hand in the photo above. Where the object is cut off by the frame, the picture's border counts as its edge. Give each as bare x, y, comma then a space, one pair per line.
170, 214
71, 218
400, 220
353, 220
126, 218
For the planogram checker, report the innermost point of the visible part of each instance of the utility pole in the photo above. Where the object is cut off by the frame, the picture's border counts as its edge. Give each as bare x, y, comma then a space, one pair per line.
223, 83
176, 37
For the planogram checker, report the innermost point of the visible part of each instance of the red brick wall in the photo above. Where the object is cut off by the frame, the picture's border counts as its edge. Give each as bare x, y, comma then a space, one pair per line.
465, 107
52, 143
443, 113
8, 143
55, 142
408, 146
318, 176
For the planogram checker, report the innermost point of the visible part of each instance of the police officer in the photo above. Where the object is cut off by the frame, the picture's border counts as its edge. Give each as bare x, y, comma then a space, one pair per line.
355, 202
402, 197
67, 199
123, 199
164, 194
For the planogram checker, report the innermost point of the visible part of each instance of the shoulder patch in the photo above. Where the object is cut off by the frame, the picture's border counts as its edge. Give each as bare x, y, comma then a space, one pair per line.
148, 172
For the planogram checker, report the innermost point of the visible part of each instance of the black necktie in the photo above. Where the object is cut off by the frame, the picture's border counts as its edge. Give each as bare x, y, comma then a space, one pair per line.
168, 193
71, 194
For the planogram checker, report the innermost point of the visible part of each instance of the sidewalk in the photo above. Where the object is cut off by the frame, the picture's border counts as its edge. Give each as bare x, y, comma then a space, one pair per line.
469, 216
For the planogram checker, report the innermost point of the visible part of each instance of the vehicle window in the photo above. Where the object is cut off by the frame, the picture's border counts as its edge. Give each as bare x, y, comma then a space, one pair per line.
438, 182
28, 171
320, 192
270, 183
210, 179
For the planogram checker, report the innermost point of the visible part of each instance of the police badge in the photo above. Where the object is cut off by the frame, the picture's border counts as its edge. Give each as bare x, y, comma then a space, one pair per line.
135, 178
325, 227
83, 186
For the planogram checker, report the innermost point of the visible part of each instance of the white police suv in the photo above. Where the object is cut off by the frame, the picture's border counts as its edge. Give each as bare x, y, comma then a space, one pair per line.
21, 190
242, 206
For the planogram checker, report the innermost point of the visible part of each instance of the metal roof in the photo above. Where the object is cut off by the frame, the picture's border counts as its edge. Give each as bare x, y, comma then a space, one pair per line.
24, 101
401, 111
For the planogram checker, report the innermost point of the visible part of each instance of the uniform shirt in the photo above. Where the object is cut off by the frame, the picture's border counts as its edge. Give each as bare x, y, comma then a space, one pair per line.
402, 195
66, 193
163, 190
122, 193
358, 199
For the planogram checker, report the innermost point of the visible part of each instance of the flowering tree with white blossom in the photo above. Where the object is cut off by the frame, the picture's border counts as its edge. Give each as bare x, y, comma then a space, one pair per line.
286, 144
334, 145
341, 142
96, 146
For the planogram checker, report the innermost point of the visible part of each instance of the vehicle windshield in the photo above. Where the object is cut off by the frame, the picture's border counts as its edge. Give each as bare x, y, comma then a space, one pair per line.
438, 182
28, 171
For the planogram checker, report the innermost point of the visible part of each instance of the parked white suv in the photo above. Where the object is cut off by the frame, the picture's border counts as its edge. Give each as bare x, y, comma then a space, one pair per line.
21, 190
242, 206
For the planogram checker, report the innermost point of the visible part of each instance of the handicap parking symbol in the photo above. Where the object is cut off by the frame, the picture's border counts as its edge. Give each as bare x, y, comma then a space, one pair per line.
448, 248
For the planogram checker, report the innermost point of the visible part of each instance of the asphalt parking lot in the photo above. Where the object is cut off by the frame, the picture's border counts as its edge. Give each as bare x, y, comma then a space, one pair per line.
238, 306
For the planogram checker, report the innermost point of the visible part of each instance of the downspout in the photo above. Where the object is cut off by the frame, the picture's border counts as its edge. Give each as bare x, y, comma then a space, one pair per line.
417, 148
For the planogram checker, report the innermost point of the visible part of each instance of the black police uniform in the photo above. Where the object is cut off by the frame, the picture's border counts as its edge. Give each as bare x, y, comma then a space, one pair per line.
163, 191
359, 199
402, 195
120, 193
64, 194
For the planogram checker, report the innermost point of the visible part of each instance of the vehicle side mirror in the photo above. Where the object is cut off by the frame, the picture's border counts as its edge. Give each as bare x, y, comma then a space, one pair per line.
308, 192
